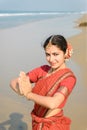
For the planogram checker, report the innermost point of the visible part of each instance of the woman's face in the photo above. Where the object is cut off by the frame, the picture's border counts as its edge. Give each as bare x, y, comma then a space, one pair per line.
55, 56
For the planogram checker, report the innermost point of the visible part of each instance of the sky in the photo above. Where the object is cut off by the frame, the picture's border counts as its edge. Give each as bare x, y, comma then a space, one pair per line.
44, 5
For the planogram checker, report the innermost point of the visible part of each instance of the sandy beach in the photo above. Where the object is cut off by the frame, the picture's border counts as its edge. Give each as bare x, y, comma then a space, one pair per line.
20, 51
78, 104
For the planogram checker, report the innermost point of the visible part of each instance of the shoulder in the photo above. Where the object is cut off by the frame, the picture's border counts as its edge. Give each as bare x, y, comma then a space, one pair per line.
40, 69
70, 80
69, 73
45, 67
38, 72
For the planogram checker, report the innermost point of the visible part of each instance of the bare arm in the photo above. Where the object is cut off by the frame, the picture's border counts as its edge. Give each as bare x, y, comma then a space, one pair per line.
47, 101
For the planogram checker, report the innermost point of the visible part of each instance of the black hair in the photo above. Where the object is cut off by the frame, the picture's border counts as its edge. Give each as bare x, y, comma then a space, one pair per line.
57, 40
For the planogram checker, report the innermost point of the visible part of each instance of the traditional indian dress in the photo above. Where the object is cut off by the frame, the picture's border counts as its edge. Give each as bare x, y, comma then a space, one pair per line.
48, 86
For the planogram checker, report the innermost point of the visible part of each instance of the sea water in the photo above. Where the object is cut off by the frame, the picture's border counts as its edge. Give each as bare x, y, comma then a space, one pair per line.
10, 19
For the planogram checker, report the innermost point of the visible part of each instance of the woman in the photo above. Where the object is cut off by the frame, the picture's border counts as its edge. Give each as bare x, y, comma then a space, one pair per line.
53, 85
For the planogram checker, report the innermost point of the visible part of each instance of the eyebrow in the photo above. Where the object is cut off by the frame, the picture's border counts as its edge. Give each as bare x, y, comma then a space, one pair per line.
52, 53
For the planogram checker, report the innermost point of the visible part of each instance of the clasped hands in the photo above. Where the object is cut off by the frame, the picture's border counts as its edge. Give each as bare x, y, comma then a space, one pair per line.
24, 84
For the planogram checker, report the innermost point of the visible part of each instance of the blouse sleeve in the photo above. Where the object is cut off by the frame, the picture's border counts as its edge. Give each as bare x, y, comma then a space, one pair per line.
67, 85
37, 73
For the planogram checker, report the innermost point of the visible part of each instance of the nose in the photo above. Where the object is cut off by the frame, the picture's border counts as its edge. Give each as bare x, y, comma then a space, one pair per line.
51, 58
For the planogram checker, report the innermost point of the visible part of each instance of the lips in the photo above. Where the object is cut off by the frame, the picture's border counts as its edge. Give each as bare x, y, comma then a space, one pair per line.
52, 64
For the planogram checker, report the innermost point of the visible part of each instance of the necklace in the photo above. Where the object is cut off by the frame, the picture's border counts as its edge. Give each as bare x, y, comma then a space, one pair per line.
52, 70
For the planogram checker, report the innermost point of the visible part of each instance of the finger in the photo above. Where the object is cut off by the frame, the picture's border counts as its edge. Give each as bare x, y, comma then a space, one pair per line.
22, 74
21, 91
20, 86
20, 82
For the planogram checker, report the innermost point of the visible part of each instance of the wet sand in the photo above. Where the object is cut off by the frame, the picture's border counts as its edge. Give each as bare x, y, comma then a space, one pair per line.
15, 110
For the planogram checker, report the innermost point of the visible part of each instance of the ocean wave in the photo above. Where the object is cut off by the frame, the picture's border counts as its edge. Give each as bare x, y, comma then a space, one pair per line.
39, 13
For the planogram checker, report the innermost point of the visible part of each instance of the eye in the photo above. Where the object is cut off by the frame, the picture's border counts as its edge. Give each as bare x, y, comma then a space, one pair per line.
47, 54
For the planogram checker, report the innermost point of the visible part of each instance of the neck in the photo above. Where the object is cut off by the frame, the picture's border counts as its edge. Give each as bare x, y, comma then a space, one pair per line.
56, 69
52, 70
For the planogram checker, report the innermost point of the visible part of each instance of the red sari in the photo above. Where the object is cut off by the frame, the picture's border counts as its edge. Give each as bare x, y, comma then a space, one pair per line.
48, 86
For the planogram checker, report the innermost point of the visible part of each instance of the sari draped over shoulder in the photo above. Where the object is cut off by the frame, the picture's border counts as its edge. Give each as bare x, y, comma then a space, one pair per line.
48, 86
